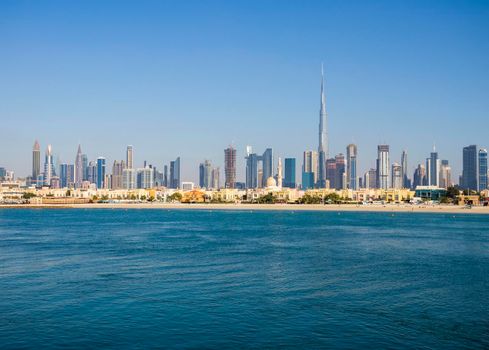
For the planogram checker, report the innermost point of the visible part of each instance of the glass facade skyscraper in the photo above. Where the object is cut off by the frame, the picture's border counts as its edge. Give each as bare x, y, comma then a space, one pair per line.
100, 172
351, 166
470, 168
383, 167
482, 169
289, 172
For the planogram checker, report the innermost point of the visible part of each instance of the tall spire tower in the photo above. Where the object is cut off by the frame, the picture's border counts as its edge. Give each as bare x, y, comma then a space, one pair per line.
36, 161
323, 137
78, 168
323, 133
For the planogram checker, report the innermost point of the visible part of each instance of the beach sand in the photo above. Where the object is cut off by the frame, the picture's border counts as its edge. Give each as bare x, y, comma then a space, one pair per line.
445, 209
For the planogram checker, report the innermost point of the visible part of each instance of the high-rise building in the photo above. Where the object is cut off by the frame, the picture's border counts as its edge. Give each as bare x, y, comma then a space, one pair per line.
100, 172
215, 183
370, 179
251, 168
406, 182
445, 174
267, 166
78, 168
205, 174
470, 176
36, 161
48, 167
175, 180
383, 167
85, 167
129, 157
165, 176
66, 175
396, 176
482, 169
433, 169
129, 178
419, 178
340, 178
331, 172
289, 171
117, 174
309, 169
323, 151
145, 177
230, 167
201, 175
351, 166
92, 172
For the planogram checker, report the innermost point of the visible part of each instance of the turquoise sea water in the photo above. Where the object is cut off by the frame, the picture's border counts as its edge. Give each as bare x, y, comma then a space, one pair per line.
123, 279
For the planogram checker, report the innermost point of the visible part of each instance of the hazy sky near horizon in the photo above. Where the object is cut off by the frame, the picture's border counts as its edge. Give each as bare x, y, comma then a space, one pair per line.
187, 78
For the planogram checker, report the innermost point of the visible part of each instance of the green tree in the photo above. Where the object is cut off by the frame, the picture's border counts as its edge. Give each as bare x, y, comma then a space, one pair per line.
453, 192
175, 197
269, 198
28, 195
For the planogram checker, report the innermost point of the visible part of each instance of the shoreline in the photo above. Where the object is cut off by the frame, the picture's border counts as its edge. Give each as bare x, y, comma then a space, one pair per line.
401, 208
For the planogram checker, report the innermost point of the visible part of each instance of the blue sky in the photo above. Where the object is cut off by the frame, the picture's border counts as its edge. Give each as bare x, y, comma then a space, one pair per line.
187, 78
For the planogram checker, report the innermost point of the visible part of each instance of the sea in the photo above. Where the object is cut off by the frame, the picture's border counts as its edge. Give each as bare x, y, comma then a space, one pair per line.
244, 279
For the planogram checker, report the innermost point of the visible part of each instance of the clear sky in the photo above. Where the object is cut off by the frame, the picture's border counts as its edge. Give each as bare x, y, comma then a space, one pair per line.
187, 78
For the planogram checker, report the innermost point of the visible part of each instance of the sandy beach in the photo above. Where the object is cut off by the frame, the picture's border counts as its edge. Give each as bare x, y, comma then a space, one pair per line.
443, 209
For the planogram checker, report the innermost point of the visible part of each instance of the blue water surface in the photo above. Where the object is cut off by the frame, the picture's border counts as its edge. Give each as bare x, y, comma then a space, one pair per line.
128, 279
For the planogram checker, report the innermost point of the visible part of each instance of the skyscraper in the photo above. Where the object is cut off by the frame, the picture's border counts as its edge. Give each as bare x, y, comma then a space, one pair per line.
340, 169
78, 168
383, 167
396, 176
175, 173
100, 172
331, 172
406, 182
85, 167
129, 157
215, 182
323, 138
117, 174
309, 169
445, 174
371, 179
92, 172
36, 161
251, 168
289, 171
128, 179
165, 176
145, 177
201, 175
419, 178
267, 166
433, 169
49, 171
66, 175
470, 169
205, 174
351, 166
230, 167
482, 169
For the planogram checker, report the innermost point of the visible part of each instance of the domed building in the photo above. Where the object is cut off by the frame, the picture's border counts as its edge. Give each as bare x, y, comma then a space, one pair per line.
272, 185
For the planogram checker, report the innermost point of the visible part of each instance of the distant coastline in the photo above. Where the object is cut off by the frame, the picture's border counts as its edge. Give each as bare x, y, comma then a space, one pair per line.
405, 208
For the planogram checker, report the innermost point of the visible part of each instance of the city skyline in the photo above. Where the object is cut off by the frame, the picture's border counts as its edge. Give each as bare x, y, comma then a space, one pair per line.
375, 95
